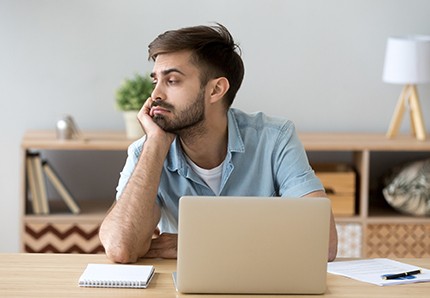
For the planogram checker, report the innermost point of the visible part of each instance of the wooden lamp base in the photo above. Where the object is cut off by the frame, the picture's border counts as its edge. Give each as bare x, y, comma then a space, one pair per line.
408, 97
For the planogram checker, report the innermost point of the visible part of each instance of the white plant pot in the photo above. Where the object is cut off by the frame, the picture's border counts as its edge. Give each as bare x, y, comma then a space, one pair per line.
132, 126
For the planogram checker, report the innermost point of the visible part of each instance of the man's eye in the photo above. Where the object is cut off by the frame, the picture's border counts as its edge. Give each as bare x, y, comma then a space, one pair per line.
172, 82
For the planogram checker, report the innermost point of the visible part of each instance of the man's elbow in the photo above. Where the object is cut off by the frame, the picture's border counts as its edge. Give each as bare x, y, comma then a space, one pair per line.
118, 252
119, 255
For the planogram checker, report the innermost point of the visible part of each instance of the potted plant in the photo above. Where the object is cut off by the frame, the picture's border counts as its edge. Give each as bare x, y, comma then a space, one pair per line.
130, 97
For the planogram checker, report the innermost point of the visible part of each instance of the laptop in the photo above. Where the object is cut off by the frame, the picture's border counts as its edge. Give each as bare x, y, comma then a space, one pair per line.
252, 245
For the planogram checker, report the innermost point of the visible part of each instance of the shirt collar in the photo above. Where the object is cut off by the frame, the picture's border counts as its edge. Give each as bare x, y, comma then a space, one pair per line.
176, 160
235, 142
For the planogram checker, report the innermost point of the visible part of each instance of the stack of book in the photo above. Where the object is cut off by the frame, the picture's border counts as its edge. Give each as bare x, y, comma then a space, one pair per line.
37, 170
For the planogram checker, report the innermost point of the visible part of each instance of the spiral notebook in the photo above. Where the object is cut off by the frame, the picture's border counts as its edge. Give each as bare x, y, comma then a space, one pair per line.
116, 276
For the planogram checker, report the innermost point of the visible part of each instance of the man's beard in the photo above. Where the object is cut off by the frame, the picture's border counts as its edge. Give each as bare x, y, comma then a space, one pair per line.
189, 118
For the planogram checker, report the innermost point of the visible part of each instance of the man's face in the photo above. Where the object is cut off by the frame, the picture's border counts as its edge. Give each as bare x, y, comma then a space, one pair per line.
179, 98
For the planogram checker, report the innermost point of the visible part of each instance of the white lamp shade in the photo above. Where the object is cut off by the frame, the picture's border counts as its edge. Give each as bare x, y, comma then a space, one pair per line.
407, 60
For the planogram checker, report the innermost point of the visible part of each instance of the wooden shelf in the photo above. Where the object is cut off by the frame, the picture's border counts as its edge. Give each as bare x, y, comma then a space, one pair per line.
91, 210
361, 142
387, 215
348, 219
46, 140
377, 225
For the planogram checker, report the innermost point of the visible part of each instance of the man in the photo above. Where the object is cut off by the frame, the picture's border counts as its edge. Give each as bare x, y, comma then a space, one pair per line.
195, 144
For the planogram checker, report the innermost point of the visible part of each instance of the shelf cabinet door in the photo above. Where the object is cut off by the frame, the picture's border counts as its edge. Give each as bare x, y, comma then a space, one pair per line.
397, 240
51, 237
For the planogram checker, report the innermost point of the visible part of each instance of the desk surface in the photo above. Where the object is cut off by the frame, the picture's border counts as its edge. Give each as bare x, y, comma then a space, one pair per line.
56, 275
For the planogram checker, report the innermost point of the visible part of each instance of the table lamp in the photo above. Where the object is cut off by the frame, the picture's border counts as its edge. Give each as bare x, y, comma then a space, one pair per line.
407, 62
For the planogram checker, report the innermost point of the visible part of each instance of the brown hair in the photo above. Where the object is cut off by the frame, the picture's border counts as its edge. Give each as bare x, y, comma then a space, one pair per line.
213, 50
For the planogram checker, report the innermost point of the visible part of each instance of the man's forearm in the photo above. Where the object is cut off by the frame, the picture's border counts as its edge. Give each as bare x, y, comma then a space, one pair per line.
332, 249
127, 230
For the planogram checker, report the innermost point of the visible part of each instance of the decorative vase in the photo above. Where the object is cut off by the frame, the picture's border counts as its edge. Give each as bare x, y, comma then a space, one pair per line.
132, 126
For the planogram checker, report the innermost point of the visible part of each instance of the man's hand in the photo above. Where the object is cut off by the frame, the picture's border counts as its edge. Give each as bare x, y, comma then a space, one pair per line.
163, 246
149, 126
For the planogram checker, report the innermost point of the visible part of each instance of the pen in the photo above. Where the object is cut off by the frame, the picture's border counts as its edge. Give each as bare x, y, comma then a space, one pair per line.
403, 274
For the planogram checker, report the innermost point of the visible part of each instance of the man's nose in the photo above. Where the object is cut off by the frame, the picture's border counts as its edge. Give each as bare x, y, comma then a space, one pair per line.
158, 93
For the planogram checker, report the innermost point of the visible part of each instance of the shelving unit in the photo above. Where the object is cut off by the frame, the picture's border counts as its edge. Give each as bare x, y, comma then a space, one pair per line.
380, 230
61, 231
375, 230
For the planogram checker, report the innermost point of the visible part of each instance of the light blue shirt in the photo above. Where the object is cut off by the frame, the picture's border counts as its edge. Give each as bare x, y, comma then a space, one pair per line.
264, 158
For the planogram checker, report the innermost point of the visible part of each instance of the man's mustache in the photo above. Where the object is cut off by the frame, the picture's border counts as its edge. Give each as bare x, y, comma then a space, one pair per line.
161, 104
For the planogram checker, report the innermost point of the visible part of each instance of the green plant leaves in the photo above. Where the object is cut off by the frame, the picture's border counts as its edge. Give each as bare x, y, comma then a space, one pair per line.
133, 92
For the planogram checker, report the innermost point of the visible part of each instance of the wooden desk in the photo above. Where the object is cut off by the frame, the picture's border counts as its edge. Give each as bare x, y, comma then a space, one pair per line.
56, 275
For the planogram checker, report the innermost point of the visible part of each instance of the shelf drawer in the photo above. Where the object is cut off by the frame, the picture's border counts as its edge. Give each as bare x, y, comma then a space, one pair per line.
51, 237
339, 183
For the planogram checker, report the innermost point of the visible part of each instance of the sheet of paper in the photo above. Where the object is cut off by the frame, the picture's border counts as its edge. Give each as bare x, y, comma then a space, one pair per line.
371, 270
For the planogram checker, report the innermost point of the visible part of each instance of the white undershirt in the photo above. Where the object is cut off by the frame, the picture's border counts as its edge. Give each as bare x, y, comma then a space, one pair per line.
212, 177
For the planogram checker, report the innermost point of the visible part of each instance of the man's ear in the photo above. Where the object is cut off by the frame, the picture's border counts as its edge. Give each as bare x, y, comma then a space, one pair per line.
219, 88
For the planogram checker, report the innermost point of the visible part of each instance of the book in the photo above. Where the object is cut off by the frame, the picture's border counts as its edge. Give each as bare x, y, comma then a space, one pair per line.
116, 276
61, 189
32, 185
40, 183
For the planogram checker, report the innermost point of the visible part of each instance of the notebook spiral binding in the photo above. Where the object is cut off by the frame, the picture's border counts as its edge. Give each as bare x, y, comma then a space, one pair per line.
111, 284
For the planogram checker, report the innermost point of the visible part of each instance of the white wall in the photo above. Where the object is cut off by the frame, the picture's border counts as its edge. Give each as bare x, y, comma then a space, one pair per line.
316, 62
